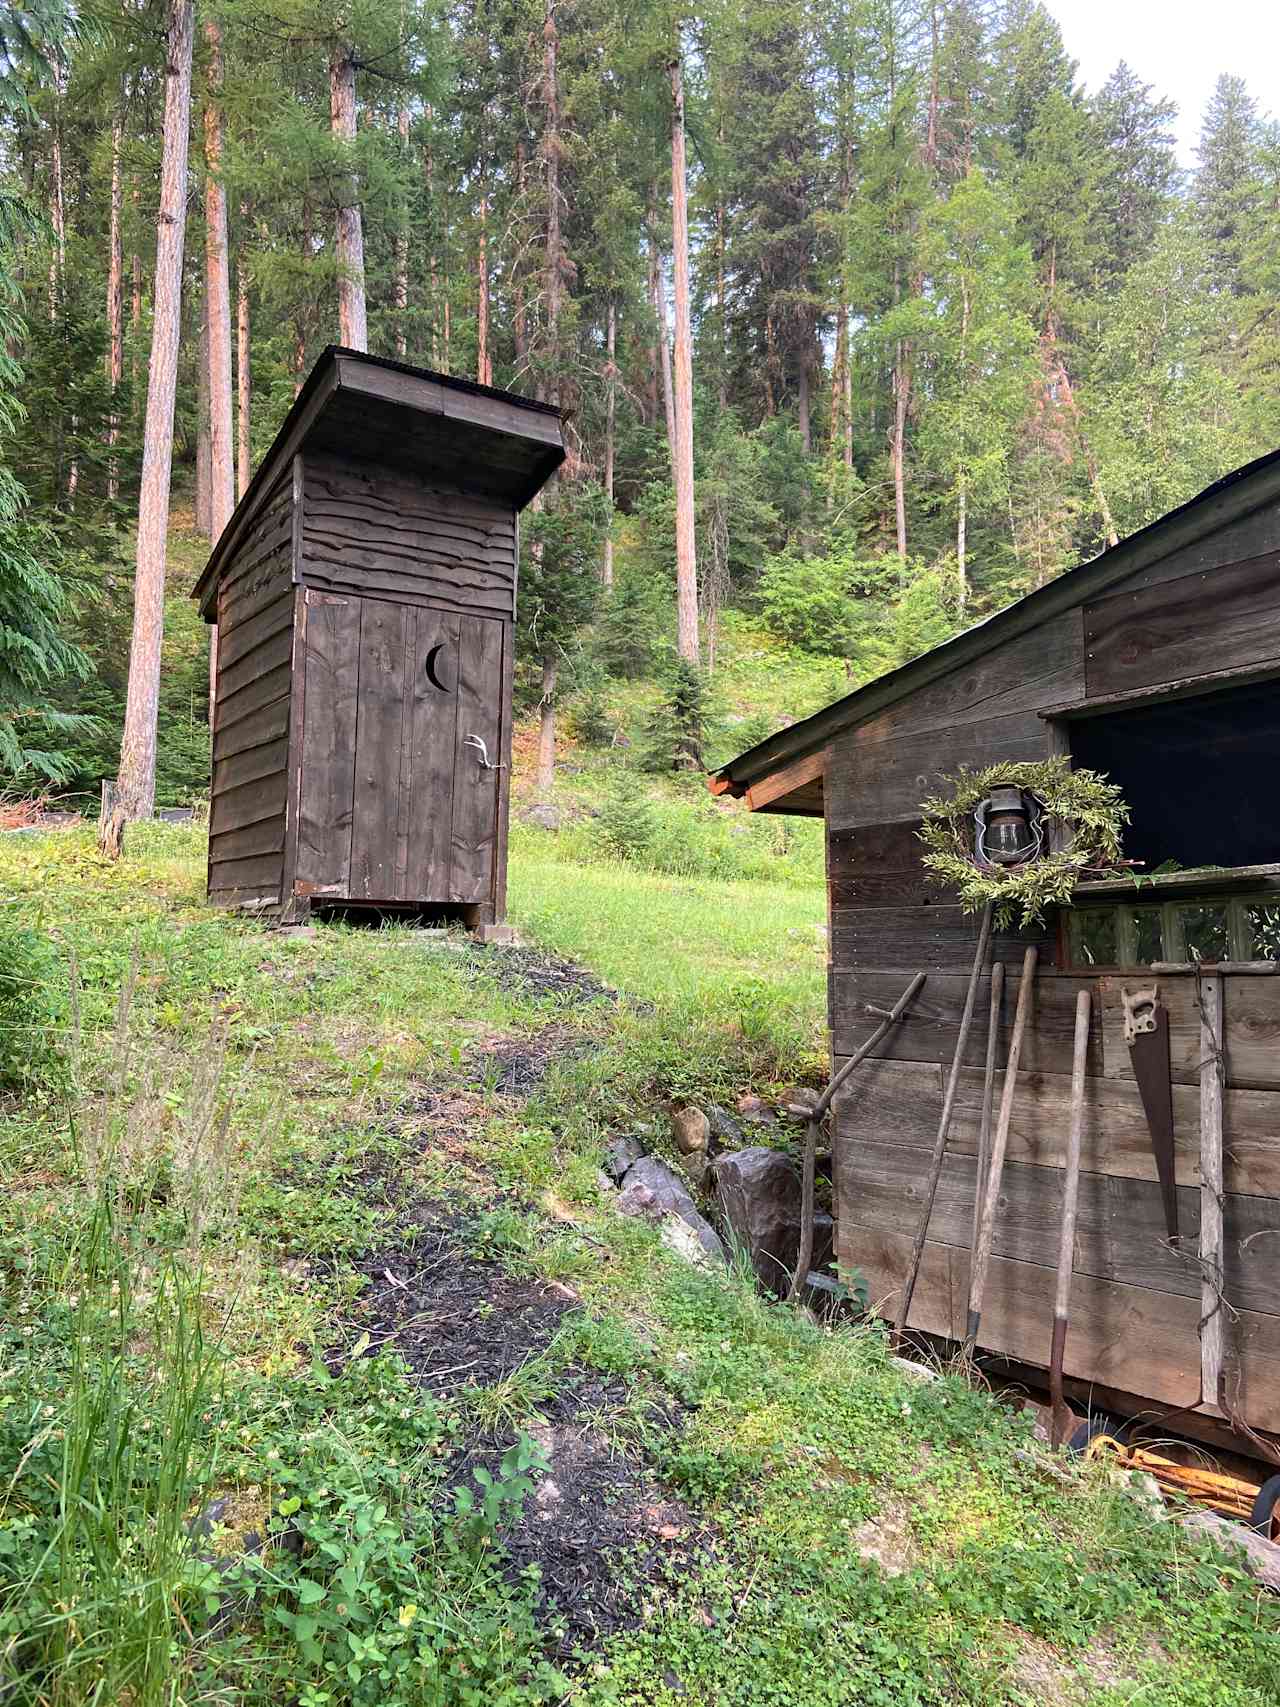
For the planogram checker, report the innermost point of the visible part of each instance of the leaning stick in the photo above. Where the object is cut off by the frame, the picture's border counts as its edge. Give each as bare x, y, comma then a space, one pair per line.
944, 1124
815, 1115
995, 1170
988, 1091
1067, 1238
1212, 1336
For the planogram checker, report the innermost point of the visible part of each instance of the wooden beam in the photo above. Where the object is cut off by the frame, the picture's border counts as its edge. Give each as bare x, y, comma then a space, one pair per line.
1212, 1301
811, 768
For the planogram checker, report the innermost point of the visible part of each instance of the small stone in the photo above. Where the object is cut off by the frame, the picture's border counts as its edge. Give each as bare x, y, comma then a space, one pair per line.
548, 1493
496, 936
652, 1191
724, 1129
605, 1183
697, 1168
755, 1111
690, 1129
622, 1153
543, 816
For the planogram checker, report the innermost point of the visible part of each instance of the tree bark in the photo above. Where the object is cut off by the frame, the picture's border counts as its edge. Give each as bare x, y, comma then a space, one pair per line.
686, 554
402, 253
244, 380
484, 361
217, 272
204, 447
136, 785
353, 327
610, 417
115, 303
520, 325
664, 353
897, 446
804, 405
554, 271
546, 770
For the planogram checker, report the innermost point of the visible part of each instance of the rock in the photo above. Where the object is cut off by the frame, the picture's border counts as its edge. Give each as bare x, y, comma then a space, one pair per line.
691, 1129
1253, 1552
798, 1097
651, 1190
696, 1168
724, 1129
605, 1183
542, 816
622, 1153
759, 1191
496, 936
755, 1112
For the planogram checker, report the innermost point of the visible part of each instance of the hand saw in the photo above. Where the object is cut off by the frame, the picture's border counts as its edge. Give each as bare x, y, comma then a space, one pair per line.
1146, 1031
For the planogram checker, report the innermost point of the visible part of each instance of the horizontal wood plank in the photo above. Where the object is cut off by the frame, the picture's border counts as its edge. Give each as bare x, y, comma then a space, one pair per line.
1144, 1343
243, 841
940, 938
237, 639
928, 1031
885, 781
250, 802
901, 1102
257, 763
267, 723
879, 865
1223, 619
258, 662
1120, 1230
260, 872
241, 702
1252, 1025
1045, 666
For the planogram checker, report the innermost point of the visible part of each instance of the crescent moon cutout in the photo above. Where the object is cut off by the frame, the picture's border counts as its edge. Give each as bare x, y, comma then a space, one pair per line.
432, 676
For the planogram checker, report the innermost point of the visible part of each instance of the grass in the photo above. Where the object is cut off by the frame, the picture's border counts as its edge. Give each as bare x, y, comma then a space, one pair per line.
233, 1118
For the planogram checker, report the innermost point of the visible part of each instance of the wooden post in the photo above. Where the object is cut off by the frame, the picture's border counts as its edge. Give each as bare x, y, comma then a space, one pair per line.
815, 1116
981, 1257
944, 1124
1067, 1235
1212, 1336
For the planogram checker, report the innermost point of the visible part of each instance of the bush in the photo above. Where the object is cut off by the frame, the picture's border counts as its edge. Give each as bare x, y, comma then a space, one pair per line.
680, 723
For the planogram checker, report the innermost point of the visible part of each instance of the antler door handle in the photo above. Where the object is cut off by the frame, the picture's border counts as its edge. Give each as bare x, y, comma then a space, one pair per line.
481, 751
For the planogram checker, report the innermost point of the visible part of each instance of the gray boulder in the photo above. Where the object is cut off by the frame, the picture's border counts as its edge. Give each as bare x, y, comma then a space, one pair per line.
725, 1131
543, 816
650, 1190
759, 1192
622, 1153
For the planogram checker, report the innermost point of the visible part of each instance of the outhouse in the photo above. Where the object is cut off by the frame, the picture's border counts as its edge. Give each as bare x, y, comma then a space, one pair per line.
1158, 665
364, 594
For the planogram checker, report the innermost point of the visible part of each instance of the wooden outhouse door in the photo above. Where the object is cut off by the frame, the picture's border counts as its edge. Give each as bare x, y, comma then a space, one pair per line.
395, 804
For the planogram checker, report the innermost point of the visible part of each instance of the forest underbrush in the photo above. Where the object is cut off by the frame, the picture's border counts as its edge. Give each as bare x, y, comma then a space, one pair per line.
329, 1373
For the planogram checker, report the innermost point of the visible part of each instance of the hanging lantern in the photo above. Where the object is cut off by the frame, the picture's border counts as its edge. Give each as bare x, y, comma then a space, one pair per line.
1010, 829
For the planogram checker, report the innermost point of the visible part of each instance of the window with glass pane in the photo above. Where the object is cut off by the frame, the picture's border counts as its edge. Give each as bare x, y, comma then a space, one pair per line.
1263, 928
1099, 943
1148, 935
1204, 932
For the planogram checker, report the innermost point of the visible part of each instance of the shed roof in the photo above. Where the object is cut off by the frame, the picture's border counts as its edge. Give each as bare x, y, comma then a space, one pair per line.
1235, 495
409, 419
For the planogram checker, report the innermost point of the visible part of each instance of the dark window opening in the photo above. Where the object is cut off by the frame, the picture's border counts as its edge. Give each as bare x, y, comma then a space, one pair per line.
1199, 778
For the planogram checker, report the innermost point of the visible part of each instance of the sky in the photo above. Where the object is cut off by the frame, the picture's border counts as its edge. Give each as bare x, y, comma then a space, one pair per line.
1179, 48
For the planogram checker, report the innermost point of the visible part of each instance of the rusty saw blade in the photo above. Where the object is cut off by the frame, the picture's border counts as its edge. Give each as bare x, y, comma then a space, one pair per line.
1146, 1031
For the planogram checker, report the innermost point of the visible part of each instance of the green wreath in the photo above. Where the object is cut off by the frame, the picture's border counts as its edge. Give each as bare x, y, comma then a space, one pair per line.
1089, 805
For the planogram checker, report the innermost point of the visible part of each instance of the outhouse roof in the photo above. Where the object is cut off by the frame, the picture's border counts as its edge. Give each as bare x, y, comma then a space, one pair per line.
1235, 495
411, 420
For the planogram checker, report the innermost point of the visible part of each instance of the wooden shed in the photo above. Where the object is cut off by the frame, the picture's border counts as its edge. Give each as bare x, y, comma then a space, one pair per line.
1158, 664
364, 593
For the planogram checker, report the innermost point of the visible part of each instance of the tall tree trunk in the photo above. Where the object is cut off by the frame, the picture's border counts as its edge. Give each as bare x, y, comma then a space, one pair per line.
136, 785
433, 270
686, 559
804, 405
204, 446
554, 273
664, 350
244, 379
484, 361
520, 325
115, 303
135, 305
962, 538
654, 382
402, 253
546, 770
898, 440
353, 327
57, 194
217, 273
610, 417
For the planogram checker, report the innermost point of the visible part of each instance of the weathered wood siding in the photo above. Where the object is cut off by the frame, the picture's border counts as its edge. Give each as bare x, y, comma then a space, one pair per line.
1213, 607
372, 532
256, 600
